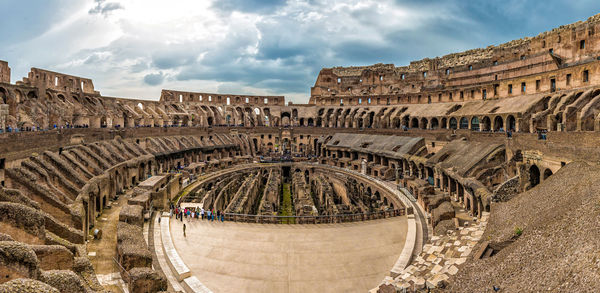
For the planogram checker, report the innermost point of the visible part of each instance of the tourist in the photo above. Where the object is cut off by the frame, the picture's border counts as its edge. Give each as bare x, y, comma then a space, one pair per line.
183, 230
202, 213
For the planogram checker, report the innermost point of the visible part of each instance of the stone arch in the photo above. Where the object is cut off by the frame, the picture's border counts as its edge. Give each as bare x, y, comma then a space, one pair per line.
3, 95
444, 123
511, 123
414, 123
486, 124
453, 124
475, 123
434, 124
286, 118
396, 122
32, 95
424, 123
498, 123
534, 176
406, 121
547, 173
464, 123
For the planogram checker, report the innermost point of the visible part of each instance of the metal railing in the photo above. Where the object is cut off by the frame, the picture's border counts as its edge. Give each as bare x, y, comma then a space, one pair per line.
321, 219
125, 276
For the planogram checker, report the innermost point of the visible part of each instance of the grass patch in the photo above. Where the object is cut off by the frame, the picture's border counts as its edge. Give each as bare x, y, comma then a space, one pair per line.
286, 204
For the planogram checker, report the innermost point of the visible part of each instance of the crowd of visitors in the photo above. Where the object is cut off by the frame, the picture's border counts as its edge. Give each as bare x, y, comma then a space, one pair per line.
197, 213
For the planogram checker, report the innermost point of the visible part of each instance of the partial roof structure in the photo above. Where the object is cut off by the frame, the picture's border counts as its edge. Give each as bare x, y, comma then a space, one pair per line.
392, 146
465, 157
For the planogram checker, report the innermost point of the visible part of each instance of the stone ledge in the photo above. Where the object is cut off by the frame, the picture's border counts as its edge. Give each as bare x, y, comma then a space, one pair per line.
409, 245
180, 270
192, 284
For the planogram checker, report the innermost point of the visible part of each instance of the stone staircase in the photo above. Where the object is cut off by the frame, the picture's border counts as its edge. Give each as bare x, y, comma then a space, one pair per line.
440, 259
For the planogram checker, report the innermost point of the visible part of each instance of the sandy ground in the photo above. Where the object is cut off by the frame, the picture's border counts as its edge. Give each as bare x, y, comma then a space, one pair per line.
241, 257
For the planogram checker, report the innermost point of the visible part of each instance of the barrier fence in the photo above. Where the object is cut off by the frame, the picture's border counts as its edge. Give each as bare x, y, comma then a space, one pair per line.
321, 219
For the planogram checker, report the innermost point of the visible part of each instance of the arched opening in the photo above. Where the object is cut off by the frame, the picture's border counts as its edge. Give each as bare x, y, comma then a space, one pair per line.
285, 118
210, 121
423, 123
3, 96
486, 124
475, 124
405, 121
498, 124
464, 123
434, 123
547, 173
453, 123
396, 123
511, 123
534, 176
414, 123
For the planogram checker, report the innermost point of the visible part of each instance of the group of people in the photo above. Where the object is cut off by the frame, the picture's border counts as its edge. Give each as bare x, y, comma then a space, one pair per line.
197, 213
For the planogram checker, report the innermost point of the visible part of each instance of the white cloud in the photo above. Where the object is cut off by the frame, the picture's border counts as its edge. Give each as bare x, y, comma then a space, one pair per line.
133, 48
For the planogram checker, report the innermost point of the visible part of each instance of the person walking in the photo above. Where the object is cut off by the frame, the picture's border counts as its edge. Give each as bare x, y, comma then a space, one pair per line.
183, 230
202, 213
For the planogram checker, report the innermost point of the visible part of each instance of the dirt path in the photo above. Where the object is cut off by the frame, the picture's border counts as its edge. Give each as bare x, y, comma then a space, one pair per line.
106, 248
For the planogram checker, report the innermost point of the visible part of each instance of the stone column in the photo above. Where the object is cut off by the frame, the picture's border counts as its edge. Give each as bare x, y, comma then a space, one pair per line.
363, 167
3, 116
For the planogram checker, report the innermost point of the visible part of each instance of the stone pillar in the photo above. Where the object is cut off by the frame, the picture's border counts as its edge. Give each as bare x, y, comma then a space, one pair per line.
363, 167
3, 116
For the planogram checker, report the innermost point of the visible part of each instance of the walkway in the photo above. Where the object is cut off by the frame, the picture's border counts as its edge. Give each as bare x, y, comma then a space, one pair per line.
103, 252
242, 257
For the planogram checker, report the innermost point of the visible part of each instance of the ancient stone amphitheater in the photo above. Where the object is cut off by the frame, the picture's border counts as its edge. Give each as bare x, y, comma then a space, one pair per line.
462, 173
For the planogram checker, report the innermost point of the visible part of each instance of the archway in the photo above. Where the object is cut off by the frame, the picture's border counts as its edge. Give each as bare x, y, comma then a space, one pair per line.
423, 123
434, 123
414, 123
498, 124
547, 173
534, 176
486, 124
3, 96
511, 123
475, 124
453, 123
464, 123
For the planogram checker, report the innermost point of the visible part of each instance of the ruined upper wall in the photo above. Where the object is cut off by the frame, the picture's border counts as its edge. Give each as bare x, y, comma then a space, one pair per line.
45, 79
555, 50
220, 99
4, 72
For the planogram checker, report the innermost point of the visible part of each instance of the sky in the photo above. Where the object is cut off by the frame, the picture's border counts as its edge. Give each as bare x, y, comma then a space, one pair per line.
135, 48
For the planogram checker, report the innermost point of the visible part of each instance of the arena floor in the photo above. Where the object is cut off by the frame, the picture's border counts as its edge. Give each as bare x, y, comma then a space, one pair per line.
239, 257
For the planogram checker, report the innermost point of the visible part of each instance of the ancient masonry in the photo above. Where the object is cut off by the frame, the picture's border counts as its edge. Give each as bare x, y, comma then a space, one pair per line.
444, 142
